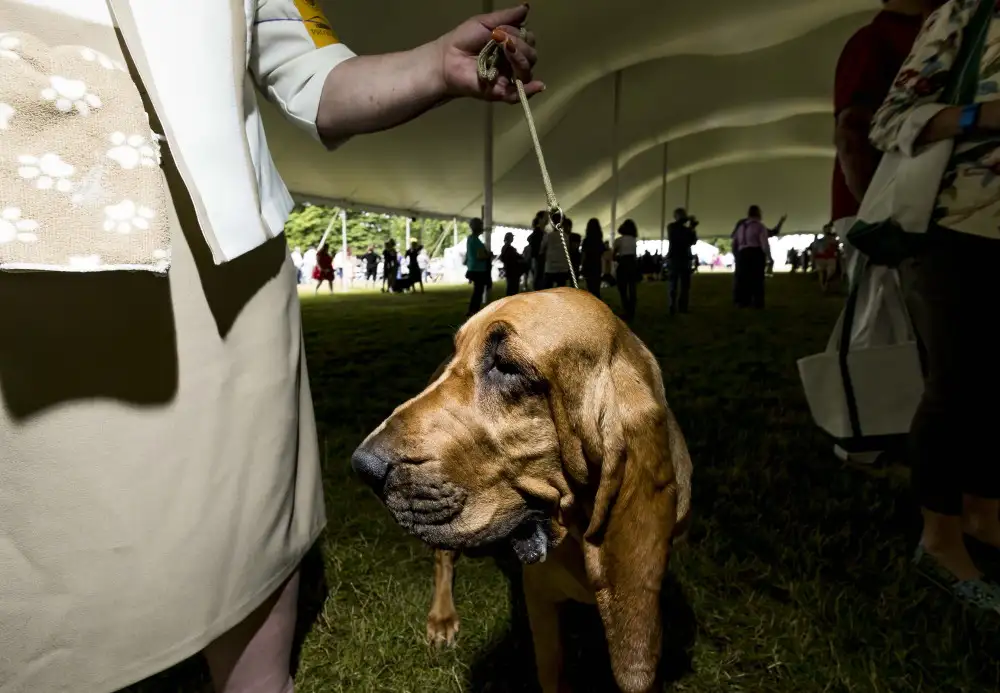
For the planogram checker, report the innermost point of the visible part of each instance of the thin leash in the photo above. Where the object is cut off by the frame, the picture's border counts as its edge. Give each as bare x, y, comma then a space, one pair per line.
488, 72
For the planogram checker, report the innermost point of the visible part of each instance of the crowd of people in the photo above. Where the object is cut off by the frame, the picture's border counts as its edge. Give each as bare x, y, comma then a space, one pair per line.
824, 257
391, 270
548, 261
554, 257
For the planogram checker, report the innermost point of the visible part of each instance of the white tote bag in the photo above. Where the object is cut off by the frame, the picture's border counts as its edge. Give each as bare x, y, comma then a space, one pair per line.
905, 188
870, 391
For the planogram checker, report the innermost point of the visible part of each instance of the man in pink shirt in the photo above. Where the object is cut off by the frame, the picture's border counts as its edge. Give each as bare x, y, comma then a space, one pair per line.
753, 251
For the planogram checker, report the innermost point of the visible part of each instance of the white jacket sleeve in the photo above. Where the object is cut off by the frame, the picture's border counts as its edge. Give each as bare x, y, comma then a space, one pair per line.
292, 50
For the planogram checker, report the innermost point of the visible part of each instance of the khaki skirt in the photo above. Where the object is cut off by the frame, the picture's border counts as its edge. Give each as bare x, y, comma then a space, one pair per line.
159, 472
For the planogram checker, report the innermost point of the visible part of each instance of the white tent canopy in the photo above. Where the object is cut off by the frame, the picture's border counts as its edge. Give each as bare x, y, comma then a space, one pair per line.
740, 92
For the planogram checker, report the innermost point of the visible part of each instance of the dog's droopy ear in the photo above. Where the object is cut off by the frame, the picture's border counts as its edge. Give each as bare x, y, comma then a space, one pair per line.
628, 538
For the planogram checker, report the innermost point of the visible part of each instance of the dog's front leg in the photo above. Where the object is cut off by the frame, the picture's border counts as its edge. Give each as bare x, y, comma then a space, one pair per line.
543, 616
442, 619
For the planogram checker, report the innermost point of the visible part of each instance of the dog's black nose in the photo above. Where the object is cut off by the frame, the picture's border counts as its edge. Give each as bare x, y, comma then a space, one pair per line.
373, 468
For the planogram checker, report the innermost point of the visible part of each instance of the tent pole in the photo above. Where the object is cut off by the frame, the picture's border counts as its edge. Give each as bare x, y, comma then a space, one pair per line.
439, 242
343, 230
663, 197
454, 229
329, 228
614, 152
687, 193
408, 220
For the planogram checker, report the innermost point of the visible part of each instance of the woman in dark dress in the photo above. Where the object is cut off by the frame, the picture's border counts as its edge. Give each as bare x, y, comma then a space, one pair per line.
593, 251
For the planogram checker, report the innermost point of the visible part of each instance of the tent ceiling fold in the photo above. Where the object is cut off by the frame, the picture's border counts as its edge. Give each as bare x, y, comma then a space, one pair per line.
740, 90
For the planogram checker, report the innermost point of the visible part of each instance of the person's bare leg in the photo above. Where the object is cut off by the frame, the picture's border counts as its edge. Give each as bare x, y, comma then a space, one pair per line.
255, 656
943, 539
318, 284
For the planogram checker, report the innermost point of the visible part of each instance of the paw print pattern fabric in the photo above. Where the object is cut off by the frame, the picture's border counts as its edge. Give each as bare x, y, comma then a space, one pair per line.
81, 188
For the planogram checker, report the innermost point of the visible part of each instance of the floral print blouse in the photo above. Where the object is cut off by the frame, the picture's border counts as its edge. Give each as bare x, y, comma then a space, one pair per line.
969, 199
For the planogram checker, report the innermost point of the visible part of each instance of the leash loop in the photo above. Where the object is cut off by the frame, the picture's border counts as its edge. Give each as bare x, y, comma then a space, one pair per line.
488, 71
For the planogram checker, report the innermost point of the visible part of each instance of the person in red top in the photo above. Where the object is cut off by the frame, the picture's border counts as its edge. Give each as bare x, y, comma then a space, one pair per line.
825, 251
323, 272
867, 67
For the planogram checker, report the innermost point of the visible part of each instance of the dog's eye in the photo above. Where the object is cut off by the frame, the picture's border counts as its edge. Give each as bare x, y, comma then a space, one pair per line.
505, 367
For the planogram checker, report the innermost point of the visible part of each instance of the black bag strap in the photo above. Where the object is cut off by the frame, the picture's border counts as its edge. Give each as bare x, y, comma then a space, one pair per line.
847, 329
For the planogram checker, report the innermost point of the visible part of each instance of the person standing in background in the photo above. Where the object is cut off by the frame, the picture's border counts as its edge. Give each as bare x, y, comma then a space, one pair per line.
308, 264
511, 260
529, 273
350, 268
297, 263
390, 266
416, 275
753, 251
535, 240
477, 263
554, 260
593, 252
370, 258
681, 235
575, 252
424, 263
825, 252
624, 252
338, 267
323, 272
608, 265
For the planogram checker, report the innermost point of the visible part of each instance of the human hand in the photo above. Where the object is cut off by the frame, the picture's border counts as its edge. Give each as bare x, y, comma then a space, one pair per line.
460, 50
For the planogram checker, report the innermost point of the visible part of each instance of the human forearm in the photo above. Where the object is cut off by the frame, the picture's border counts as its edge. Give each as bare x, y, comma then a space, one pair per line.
371, 93
858, 158
946, 123
377, 92
943, 126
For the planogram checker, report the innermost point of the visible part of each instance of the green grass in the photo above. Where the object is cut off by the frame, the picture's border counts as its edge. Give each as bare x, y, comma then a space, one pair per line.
795, 579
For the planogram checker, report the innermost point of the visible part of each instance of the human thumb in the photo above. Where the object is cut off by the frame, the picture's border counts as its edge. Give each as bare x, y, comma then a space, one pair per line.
512, 16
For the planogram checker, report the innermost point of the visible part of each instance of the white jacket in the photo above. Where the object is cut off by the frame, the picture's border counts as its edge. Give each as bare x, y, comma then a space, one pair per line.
201, 60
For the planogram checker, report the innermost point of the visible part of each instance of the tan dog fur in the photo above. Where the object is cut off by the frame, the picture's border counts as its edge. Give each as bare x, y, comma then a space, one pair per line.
549, 400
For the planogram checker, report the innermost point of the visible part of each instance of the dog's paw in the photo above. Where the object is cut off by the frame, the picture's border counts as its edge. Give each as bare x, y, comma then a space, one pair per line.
442, 628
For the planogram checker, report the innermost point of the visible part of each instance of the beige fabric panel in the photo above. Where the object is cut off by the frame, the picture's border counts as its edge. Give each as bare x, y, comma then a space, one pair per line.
83, 189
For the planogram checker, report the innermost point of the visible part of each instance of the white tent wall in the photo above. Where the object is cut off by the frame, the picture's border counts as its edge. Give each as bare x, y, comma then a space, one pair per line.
738, 89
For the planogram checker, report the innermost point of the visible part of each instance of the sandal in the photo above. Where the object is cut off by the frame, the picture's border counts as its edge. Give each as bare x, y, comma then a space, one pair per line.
981, 593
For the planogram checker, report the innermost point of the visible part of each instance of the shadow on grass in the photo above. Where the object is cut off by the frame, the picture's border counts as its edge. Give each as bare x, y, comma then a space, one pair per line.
508, 663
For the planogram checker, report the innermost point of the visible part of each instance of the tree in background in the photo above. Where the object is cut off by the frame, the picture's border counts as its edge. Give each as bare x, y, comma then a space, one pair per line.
307, 224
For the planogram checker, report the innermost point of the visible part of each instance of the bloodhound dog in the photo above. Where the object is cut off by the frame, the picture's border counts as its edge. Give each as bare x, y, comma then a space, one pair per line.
548, 430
